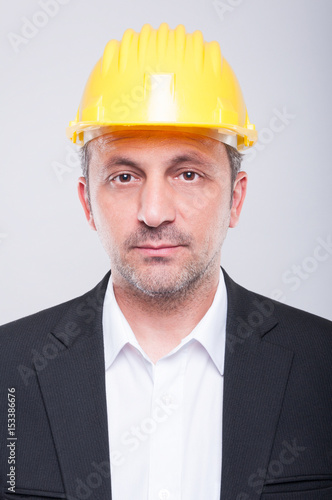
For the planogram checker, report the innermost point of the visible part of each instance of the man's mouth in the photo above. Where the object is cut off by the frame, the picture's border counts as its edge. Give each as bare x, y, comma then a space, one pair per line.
161, 250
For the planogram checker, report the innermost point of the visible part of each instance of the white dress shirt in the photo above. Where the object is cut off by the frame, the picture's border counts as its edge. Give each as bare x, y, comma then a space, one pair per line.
165, 419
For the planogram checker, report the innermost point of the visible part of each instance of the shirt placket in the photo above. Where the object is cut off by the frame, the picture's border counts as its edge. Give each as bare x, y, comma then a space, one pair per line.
167, 439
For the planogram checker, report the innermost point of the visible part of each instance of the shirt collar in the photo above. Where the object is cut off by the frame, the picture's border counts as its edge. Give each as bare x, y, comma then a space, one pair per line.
210, 332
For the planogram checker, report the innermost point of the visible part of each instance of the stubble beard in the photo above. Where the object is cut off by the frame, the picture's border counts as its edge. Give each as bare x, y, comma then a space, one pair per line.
158, 284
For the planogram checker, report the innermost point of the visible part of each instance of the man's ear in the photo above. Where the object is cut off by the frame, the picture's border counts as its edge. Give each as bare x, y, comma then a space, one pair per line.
239, 193
84, 199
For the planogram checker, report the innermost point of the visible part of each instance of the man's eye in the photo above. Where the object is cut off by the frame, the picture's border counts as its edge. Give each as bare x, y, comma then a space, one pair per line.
123, 178
189, 176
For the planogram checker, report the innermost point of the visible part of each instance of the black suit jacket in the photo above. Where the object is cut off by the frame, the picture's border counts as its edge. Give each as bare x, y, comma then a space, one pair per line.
277, 409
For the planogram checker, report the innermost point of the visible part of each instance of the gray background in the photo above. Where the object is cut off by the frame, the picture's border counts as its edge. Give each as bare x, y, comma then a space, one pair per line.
280, 52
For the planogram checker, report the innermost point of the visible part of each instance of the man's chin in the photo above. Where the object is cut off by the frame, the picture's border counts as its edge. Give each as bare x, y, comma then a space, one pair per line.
162, 283
157, 287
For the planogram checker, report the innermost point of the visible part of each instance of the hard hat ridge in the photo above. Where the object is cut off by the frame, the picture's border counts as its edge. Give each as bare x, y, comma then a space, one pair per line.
159, 79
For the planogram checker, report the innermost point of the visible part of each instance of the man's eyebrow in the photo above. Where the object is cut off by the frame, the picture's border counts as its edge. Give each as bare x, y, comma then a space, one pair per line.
186, 158
174, 162
118, 160
199, 160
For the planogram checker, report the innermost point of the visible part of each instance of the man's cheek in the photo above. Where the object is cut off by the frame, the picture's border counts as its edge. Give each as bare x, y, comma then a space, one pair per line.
199, 200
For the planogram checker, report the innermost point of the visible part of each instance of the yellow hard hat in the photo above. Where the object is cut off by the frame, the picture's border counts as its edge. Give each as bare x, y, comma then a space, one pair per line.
163, 79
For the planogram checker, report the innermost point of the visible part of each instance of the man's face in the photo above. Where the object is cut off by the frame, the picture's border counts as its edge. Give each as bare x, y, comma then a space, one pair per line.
161, 204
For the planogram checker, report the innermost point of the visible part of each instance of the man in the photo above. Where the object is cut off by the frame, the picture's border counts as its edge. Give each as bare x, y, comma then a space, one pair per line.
167, 380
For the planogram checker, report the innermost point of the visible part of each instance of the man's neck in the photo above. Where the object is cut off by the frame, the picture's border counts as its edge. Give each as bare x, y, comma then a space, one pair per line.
160, 325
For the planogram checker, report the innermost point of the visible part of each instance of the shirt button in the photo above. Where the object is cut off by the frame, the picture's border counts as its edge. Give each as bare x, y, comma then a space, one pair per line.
164, 494
167, 400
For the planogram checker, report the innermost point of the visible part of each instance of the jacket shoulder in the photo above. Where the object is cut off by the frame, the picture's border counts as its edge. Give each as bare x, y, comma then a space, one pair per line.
46, 317
30, 329
291, 327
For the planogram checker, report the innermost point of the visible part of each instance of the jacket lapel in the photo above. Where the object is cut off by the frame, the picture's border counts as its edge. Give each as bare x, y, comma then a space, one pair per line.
255, 378
73, 390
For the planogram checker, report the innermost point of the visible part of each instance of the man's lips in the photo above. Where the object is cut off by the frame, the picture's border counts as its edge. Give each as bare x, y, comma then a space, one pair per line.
157, 247
161, 250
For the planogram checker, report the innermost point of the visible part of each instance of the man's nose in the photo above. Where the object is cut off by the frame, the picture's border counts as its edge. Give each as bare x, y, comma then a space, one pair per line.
157, 202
